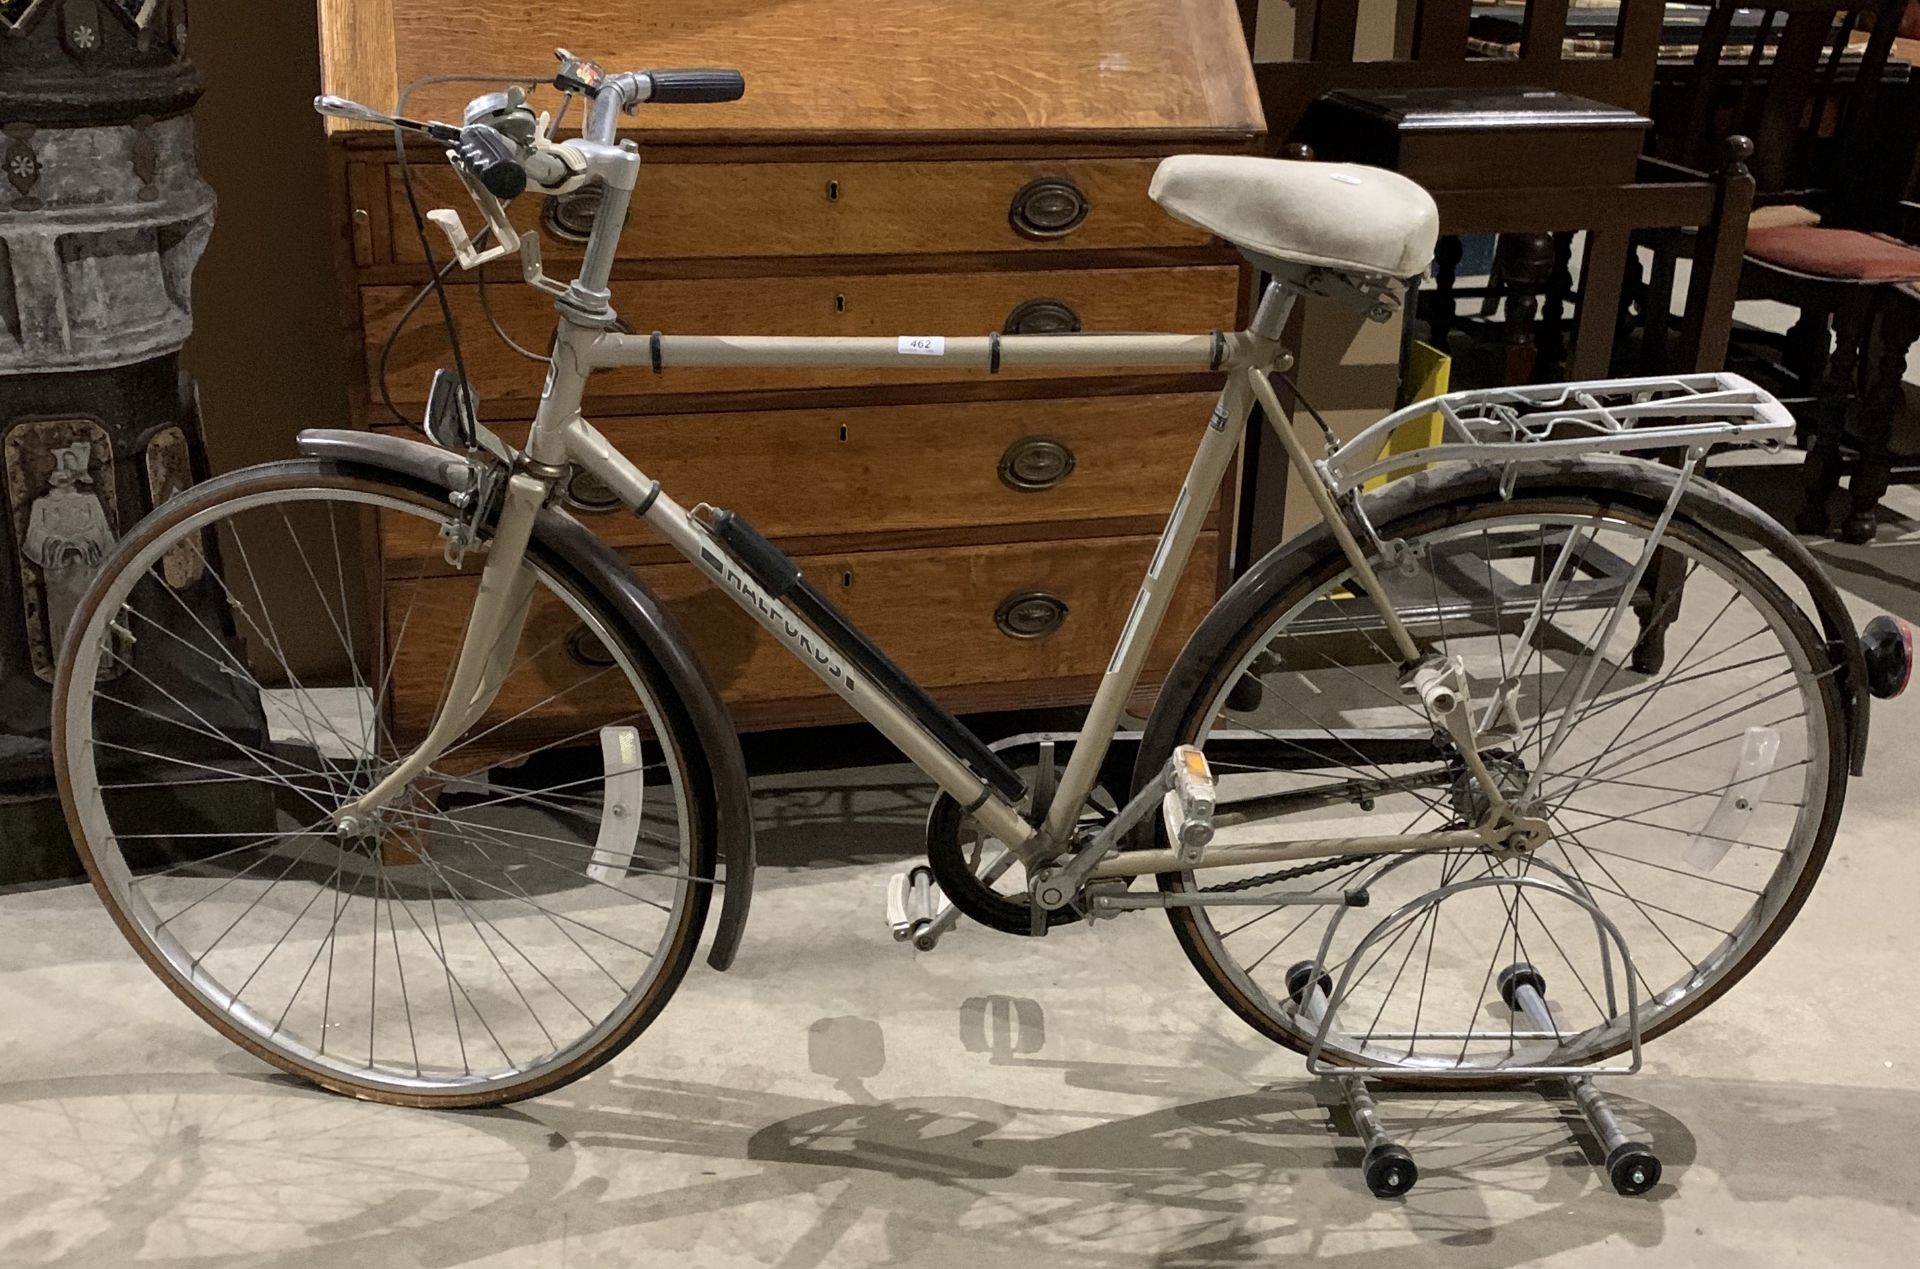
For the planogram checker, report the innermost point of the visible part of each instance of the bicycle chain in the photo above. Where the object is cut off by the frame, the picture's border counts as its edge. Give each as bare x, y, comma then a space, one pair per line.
1285, 874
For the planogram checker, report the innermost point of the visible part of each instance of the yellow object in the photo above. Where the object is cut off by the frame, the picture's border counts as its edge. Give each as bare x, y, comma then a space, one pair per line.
1428, 372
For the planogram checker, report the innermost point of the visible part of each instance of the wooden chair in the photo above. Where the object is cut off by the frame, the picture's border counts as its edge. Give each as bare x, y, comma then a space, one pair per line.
1826, 193
1494, 195
1502, 192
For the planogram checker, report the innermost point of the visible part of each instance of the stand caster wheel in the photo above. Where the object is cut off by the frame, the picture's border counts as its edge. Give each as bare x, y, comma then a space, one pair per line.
1390, 1171
1519, 975
1633, 1168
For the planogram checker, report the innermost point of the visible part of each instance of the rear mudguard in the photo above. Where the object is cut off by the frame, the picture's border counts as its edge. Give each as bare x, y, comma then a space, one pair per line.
1627, 481
598, 567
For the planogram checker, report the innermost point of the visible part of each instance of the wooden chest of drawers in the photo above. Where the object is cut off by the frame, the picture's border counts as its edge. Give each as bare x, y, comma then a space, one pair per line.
954, 167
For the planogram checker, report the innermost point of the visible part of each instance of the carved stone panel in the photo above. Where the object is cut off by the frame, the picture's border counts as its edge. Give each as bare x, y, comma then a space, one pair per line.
170, 471
65, 514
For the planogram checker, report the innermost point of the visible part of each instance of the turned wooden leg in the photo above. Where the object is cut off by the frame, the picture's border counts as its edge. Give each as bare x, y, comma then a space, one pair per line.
1890, 336
1807, 347
1837, 399
1523, 263
1657, 607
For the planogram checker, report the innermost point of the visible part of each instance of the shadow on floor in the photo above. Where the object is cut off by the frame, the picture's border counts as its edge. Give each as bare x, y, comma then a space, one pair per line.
220, 1169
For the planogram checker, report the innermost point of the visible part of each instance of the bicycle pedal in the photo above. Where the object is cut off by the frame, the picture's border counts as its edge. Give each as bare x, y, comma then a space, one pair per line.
913, 901
1187, 807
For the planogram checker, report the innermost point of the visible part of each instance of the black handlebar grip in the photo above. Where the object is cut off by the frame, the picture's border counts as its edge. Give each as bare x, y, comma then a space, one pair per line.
697, 84
493, 160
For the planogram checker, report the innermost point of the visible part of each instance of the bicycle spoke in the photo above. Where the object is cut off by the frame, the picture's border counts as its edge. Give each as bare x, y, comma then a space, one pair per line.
459, 953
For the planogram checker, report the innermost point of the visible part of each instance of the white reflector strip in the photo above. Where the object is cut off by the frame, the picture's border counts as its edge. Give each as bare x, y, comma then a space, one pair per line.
1738, 801
625, 784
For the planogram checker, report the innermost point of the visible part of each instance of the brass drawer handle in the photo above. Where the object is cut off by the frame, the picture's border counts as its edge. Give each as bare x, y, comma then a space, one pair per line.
587, 493
1048, 207
1033, 463
1030, 614
585, 648
570, 216
1040, 316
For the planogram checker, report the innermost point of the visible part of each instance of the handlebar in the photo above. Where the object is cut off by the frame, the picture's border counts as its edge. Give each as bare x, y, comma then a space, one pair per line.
502, 147
497, 156
696, 84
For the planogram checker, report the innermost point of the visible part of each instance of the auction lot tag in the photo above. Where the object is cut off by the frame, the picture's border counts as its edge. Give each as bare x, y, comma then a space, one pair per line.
923, 345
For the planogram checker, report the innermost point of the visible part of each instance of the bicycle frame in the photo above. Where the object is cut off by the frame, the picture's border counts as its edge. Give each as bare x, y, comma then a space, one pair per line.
585, 342
560, 436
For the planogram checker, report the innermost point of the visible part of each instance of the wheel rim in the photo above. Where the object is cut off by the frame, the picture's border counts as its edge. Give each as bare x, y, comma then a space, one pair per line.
1637, 763
483, 939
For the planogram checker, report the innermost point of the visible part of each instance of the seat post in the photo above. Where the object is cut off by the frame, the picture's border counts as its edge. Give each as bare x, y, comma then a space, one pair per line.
1270, 315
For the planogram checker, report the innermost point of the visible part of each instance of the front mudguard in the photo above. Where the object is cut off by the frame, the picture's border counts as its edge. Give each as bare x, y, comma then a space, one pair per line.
599, 568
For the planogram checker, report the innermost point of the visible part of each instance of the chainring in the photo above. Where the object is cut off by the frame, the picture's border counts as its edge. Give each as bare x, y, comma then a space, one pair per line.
947, 854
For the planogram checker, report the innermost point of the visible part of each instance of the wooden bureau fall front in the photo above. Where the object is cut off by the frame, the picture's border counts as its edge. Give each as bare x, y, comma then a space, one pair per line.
944, 168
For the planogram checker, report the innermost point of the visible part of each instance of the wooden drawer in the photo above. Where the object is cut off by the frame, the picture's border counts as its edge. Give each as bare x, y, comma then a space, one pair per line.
932, 611
1184, 300
796, 474
727, 210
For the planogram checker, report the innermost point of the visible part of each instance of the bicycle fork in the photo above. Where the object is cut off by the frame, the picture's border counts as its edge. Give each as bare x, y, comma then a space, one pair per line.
486, 650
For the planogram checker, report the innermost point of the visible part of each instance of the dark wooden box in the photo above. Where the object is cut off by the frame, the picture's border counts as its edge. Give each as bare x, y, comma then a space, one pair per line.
1488, 138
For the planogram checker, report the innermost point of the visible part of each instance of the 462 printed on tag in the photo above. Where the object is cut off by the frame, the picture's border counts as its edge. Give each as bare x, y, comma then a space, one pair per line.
923, 345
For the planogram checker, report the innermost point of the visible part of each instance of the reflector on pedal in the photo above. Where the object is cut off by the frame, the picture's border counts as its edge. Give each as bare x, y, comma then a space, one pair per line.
620, 804
1187, 808
913, 900
1738, 801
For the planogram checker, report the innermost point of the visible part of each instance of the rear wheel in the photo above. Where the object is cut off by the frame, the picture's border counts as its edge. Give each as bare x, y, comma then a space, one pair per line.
1692, 804
510, 922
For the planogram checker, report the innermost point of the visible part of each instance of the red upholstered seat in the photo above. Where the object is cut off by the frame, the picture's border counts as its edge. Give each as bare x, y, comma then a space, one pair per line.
1844, 254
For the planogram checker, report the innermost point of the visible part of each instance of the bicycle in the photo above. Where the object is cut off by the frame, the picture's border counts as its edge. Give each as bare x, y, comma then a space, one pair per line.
1432, 701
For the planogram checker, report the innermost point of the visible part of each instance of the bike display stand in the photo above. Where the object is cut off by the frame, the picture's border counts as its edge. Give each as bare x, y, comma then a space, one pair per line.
1387, 1166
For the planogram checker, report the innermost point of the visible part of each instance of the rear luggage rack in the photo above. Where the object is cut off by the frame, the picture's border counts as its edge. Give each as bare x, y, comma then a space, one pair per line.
1502, 425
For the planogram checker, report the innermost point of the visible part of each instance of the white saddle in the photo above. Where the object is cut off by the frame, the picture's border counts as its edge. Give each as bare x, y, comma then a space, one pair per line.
1341, 216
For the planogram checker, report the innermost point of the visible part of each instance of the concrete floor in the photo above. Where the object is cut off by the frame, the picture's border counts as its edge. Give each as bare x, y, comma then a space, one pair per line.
838, 1100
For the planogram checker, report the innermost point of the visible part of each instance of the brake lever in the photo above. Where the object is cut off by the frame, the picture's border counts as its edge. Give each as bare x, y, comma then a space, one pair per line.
341, 108
506, 239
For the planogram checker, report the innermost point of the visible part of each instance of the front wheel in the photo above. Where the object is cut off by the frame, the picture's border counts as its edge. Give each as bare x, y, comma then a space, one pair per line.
507, 924
1691, 805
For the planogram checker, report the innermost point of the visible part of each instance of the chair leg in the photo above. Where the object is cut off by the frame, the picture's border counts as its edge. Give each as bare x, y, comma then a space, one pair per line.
1807, 348
1894, 331
1657, 312
1523, 268
1446, 269
1553, 326
1837, 399
1656, 608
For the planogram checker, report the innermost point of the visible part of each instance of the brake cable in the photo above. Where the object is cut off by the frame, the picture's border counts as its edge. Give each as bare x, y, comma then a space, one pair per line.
436, 273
